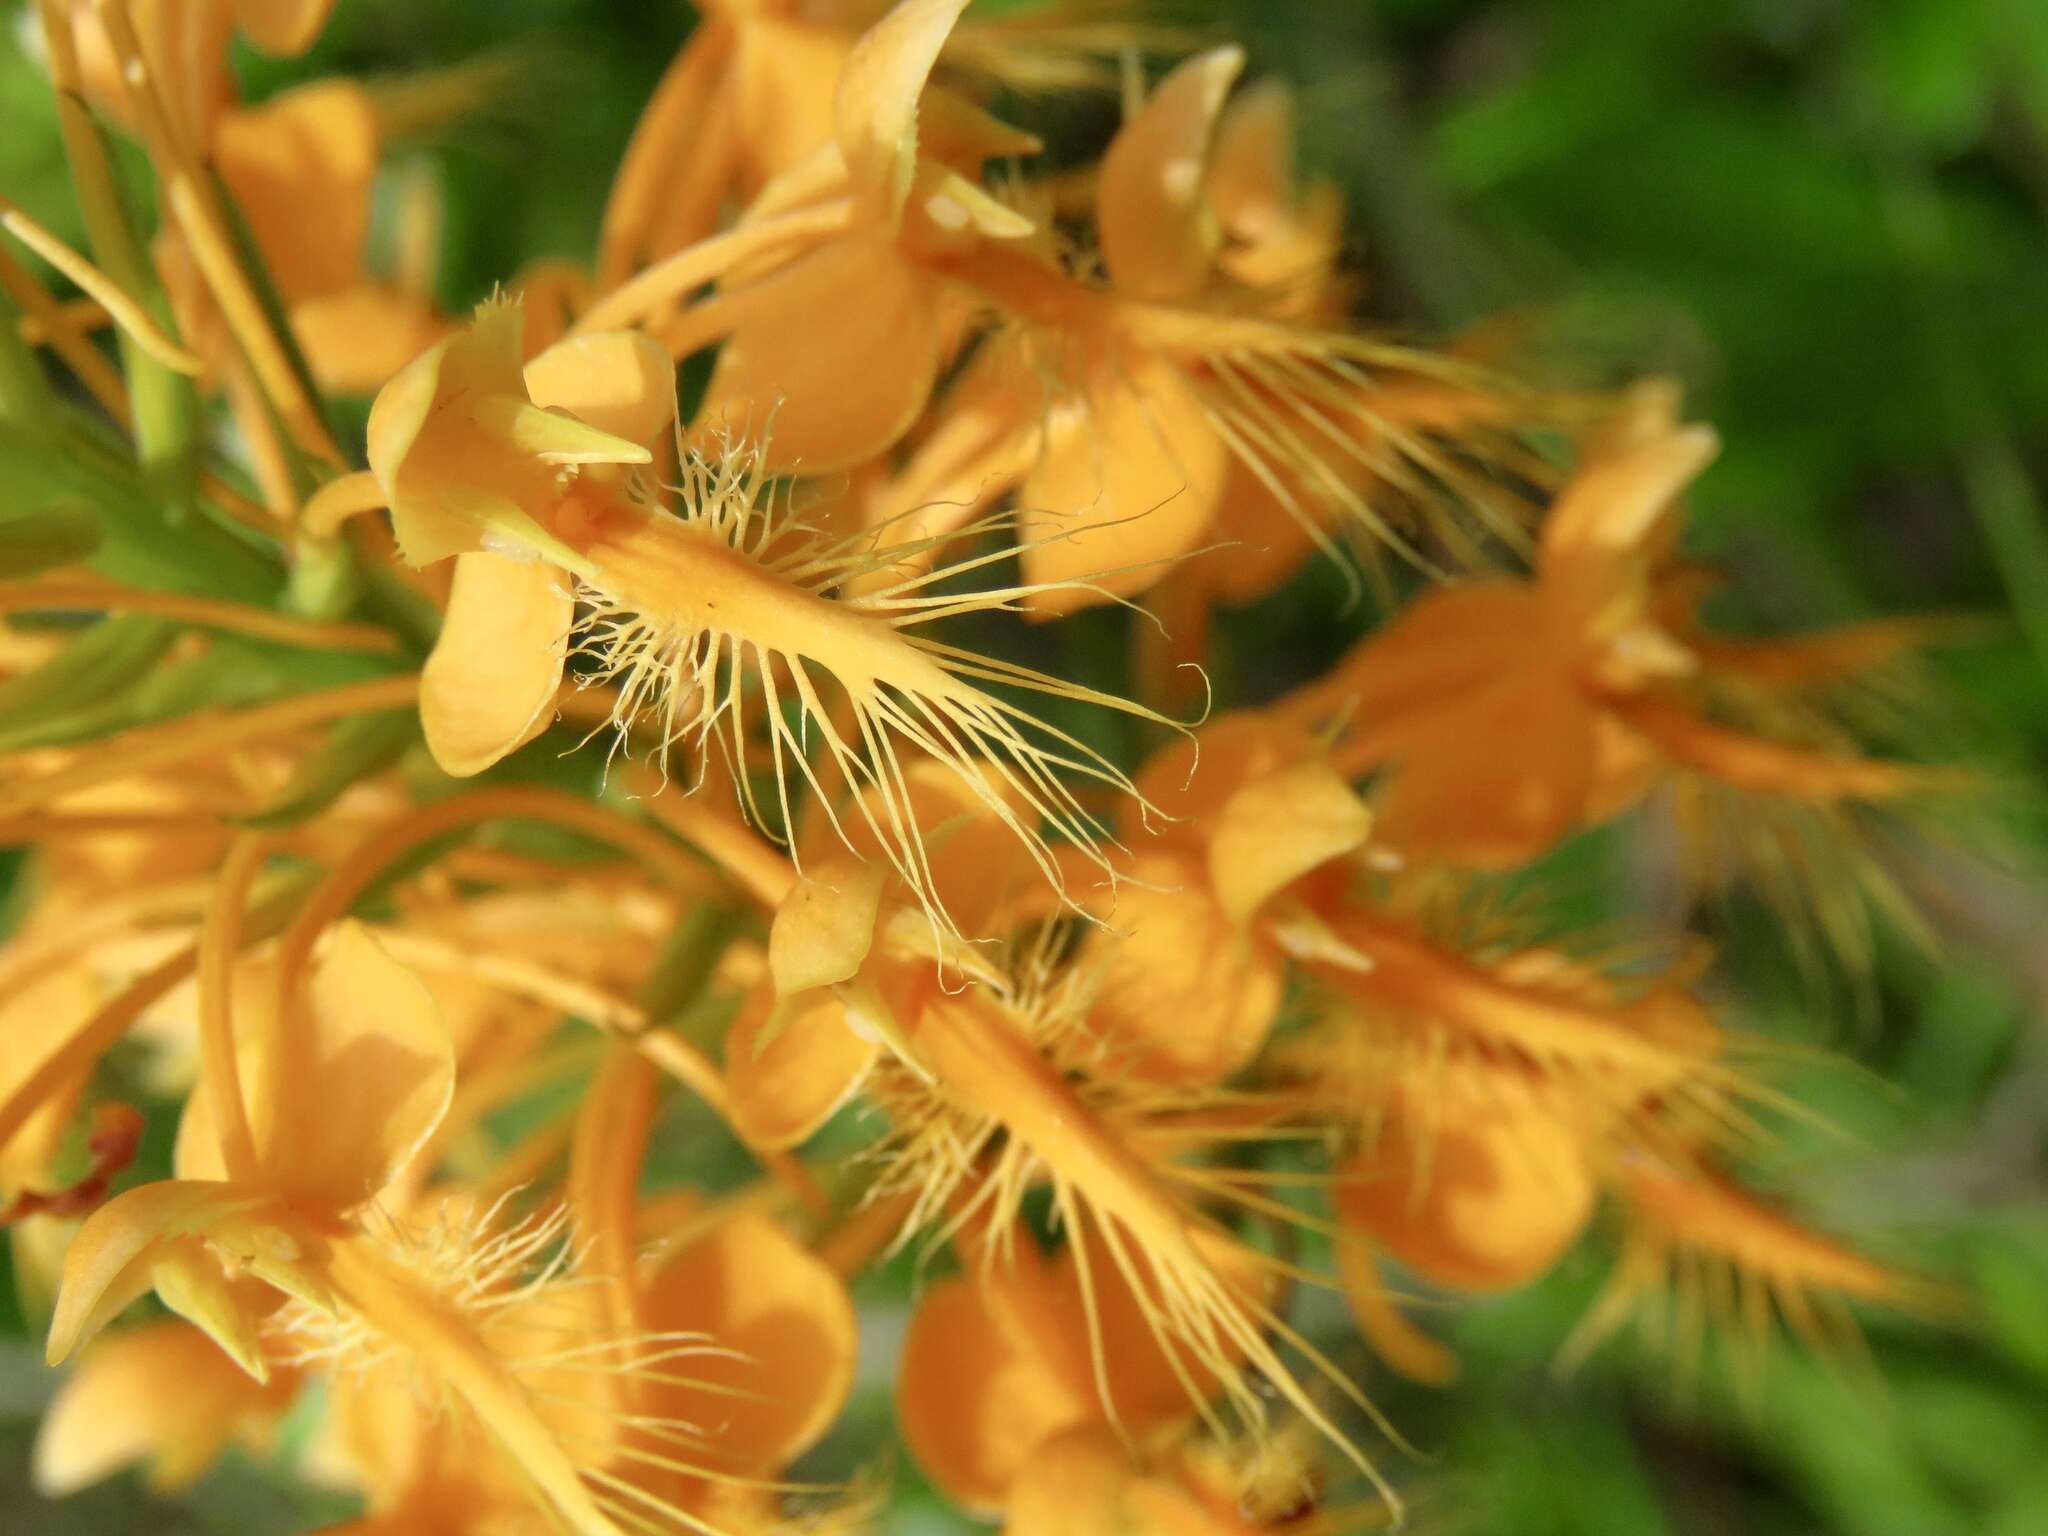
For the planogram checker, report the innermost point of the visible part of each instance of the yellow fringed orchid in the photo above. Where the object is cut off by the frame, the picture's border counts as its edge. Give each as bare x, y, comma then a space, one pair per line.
691, 612
280, 1189
831, 276
750, 97
1184, 403
300, 1174
994, 1096
1510, 713
849, 953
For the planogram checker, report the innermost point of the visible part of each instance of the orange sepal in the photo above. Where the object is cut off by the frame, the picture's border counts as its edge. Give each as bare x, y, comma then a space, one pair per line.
489, 686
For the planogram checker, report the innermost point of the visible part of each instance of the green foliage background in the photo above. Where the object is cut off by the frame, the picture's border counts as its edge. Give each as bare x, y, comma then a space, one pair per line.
1825, 216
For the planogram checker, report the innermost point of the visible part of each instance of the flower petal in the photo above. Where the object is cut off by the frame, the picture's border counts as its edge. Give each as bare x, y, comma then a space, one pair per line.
356, 339
1128, 479
1513, 777
109, 1261
874, 112
791, 1067
300, 167
789, 1323
973, 1401
489, 687
461, 452
619, 382
160, 1393
1159, 236
282, 28
359, 1087
1612, 508
1251, 162
1278, 828
1187, 996
1079, 1484
1483, 1199
825, 926
831, 357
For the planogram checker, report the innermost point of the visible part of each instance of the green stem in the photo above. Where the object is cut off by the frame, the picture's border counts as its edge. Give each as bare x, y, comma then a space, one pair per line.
165, 405
24, 391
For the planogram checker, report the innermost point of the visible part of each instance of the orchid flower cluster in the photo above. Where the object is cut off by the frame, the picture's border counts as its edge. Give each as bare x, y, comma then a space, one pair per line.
444, 812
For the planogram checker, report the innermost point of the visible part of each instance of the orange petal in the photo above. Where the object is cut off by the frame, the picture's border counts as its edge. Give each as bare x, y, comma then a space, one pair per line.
677, 166
1615, 501
1278, 828
489, 687
811, 1064
752, 1289
282, 28
300, 167
832, 357
826, 925
358, 338
1192, 780
358, 1089
1159, 236
1078, 1484
874, 112
1251, 162
996, 1364
1262, 541
190, 1280
782, 84
973, 1401
1443, 647
1128, 480
550, 293
160, 1393
1484, 1197
977, 448
37, 1019
616, 381
975, 863
109, 1261
1187, 997
1499, 782
461, 452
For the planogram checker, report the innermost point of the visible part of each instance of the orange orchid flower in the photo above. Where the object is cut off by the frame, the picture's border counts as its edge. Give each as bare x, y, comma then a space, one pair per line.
1184, 403
831, 274
750, 97
275, 1188
1511, 713
691, 612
